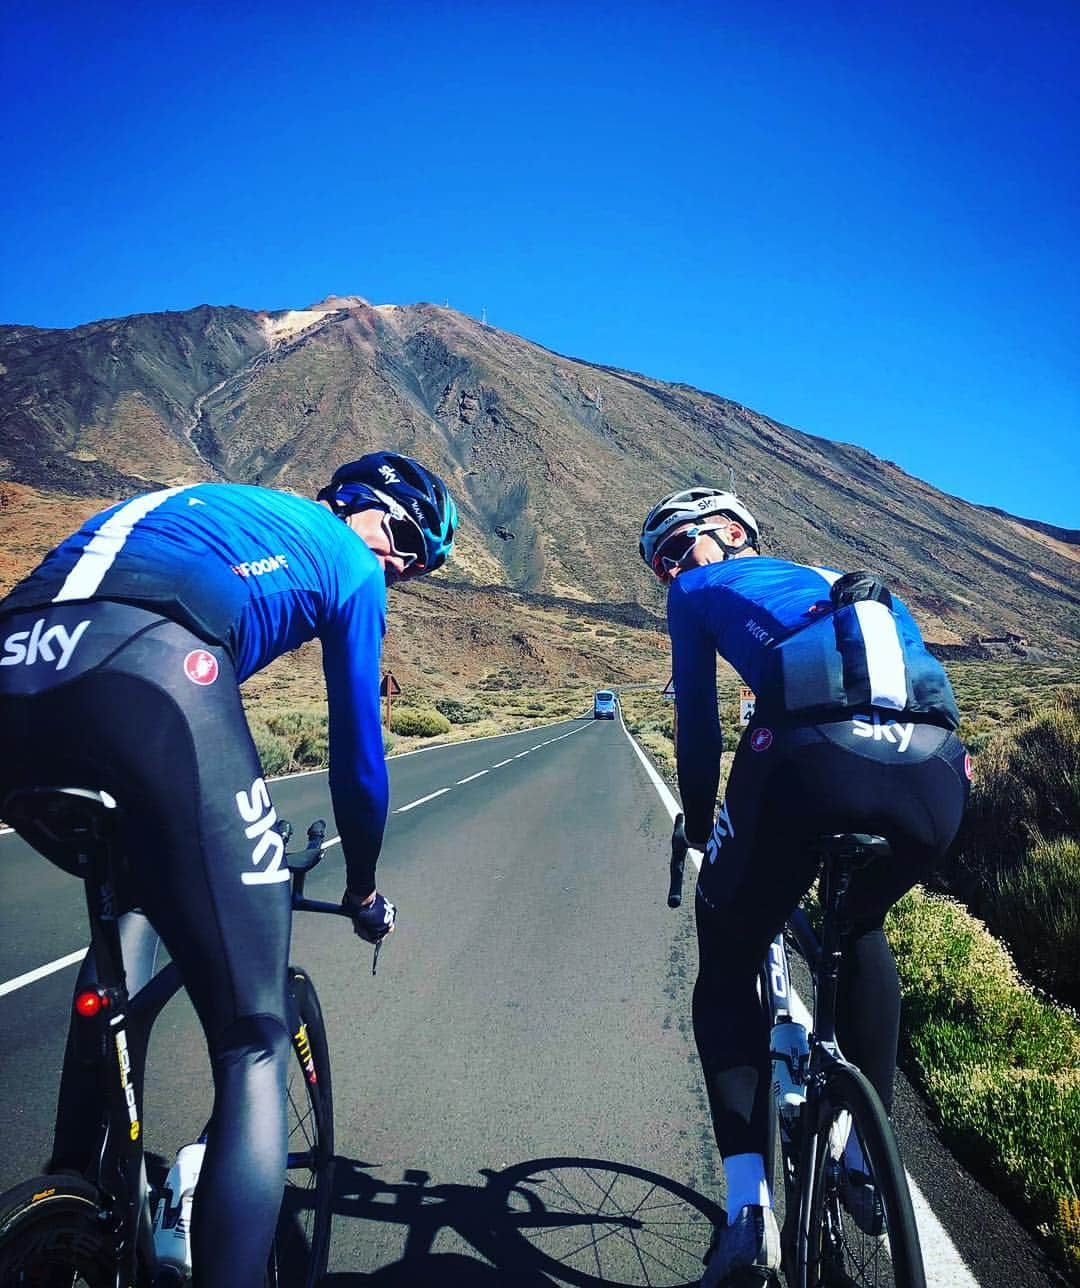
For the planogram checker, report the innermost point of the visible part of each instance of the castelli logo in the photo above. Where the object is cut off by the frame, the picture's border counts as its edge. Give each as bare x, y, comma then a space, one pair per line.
761, 740
201, 667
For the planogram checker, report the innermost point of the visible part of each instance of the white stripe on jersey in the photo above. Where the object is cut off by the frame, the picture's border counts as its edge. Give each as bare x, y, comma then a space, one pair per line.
827, 573
884, 655
97, 558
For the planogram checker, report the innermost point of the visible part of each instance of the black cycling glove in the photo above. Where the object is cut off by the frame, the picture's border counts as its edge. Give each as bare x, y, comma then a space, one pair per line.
374, 922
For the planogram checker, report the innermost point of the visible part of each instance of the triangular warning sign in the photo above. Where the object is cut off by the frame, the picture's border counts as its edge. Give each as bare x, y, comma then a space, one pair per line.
668, 691
389, 686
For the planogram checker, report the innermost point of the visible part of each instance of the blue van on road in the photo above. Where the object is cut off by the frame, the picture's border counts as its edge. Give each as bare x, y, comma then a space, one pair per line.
603, 705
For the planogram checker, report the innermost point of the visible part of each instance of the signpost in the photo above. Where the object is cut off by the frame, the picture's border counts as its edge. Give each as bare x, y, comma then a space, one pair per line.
746, 705
389, 689
668, 692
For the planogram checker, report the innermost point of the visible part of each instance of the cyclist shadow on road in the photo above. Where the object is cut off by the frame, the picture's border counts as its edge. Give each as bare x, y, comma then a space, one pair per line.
543, 1222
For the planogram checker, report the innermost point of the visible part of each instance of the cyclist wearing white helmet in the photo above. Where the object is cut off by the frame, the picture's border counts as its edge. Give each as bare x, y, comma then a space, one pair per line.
853, 730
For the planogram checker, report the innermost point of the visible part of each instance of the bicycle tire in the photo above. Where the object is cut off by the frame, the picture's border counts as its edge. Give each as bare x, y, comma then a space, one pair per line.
53, 1232
880, 1248
302, 1238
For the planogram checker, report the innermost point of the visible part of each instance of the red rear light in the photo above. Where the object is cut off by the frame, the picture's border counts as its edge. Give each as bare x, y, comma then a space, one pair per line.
88, 1004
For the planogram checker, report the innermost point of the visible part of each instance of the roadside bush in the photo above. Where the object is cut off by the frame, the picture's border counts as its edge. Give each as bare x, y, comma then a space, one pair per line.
275, 752
1036, 906
1000, 1065
460, 712
1019, 860
415, 722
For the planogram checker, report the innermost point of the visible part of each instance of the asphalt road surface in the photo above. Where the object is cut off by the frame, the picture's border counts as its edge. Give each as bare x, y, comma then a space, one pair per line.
517, 1094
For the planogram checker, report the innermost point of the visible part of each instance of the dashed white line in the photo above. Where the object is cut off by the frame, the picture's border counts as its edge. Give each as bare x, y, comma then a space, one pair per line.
31, 975
501, 763
422, 801
472, 776
520, 754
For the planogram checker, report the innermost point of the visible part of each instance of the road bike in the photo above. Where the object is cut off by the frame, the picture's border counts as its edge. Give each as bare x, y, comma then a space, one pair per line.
98, 1229
848, 1214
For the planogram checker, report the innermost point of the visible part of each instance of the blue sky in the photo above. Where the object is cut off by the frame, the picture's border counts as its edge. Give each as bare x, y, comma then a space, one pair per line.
861, 219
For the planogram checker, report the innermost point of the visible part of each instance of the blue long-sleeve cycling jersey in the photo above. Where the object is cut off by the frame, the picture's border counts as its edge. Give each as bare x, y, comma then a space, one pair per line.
259, 572
804, 659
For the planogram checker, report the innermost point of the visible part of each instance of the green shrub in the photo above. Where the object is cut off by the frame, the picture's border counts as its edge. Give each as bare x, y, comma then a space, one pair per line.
460, 712
1036, 906
275, 752
1000, 1065
415, 722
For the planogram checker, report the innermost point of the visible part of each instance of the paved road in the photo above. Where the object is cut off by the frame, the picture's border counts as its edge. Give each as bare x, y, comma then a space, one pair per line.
517, 1094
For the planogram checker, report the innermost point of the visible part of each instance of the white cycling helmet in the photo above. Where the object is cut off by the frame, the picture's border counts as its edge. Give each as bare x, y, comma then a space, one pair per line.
687, 506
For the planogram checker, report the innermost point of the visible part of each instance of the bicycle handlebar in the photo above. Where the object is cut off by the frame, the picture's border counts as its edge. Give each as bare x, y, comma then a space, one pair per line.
679, 848
301, 862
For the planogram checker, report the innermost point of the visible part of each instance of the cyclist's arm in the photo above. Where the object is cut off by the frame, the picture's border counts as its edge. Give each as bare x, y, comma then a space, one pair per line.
359, 788
699, 742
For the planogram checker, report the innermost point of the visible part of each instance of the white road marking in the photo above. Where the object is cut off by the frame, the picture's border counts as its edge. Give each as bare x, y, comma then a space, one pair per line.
422, 801
30, 977
20, 981
945, 1267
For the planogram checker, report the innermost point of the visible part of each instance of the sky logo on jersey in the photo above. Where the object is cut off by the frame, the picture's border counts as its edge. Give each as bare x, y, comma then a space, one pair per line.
389, 474
37, 644
724, 828
257, 567
256, 809
889, 731
201, 667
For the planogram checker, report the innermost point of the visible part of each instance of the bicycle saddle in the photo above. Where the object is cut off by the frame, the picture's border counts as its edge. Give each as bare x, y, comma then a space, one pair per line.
66, 824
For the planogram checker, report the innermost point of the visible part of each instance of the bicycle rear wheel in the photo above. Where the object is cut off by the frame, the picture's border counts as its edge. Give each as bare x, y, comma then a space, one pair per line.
52, 1234
858, 1234
302, 1238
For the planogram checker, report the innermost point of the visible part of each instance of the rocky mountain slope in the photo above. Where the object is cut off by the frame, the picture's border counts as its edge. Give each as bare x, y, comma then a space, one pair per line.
553, 460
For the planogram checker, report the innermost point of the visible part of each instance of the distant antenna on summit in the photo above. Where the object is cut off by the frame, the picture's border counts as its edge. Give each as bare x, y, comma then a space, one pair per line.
483, 317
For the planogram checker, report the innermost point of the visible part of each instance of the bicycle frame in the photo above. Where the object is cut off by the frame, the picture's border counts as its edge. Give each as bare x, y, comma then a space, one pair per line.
121, 1026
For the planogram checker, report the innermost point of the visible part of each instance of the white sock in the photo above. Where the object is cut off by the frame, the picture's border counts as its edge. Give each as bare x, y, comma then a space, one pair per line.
854, 1158
744, 1175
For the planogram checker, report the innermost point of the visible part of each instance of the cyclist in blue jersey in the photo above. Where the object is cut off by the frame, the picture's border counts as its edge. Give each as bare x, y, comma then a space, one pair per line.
120, 661
853, 730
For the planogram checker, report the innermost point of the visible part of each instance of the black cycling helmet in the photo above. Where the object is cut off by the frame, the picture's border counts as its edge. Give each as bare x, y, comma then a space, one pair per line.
408, 492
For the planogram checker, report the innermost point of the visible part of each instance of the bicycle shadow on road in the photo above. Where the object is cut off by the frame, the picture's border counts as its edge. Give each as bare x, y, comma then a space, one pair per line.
544, 1222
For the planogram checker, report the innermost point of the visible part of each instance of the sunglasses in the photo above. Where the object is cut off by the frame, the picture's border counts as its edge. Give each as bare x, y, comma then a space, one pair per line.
406, 542
672, 552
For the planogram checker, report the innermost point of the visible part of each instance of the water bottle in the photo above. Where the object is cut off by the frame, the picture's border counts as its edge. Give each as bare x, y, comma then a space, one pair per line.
172, 1220
790, 1051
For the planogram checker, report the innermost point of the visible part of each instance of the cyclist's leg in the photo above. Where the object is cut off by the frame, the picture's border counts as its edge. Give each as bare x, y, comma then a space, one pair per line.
751, 876
919, 809
229, 934
182, 765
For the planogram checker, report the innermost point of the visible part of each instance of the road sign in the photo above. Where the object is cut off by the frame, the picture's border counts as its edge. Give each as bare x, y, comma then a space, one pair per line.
668, 691
389, 687
746, 705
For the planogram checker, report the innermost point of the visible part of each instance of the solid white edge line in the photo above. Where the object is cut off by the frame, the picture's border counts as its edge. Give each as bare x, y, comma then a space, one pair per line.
20, 981
472, 777
945, 1267
422, 801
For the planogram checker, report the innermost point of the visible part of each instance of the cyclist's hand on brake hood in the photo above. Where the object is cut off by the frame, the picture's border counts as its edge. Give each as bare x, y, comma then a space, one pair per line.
373, 917
679, 836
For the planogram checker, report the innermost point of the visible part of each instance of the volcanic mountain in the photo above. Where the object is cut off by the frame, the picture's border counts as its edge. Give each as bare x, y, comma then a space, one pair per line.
553, 461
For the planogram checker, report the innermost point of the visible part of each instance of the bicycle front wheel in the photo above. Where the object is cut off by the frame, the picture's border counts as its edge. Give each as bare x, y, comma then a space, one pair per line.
859, 1225
302, 1238
52, 1234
